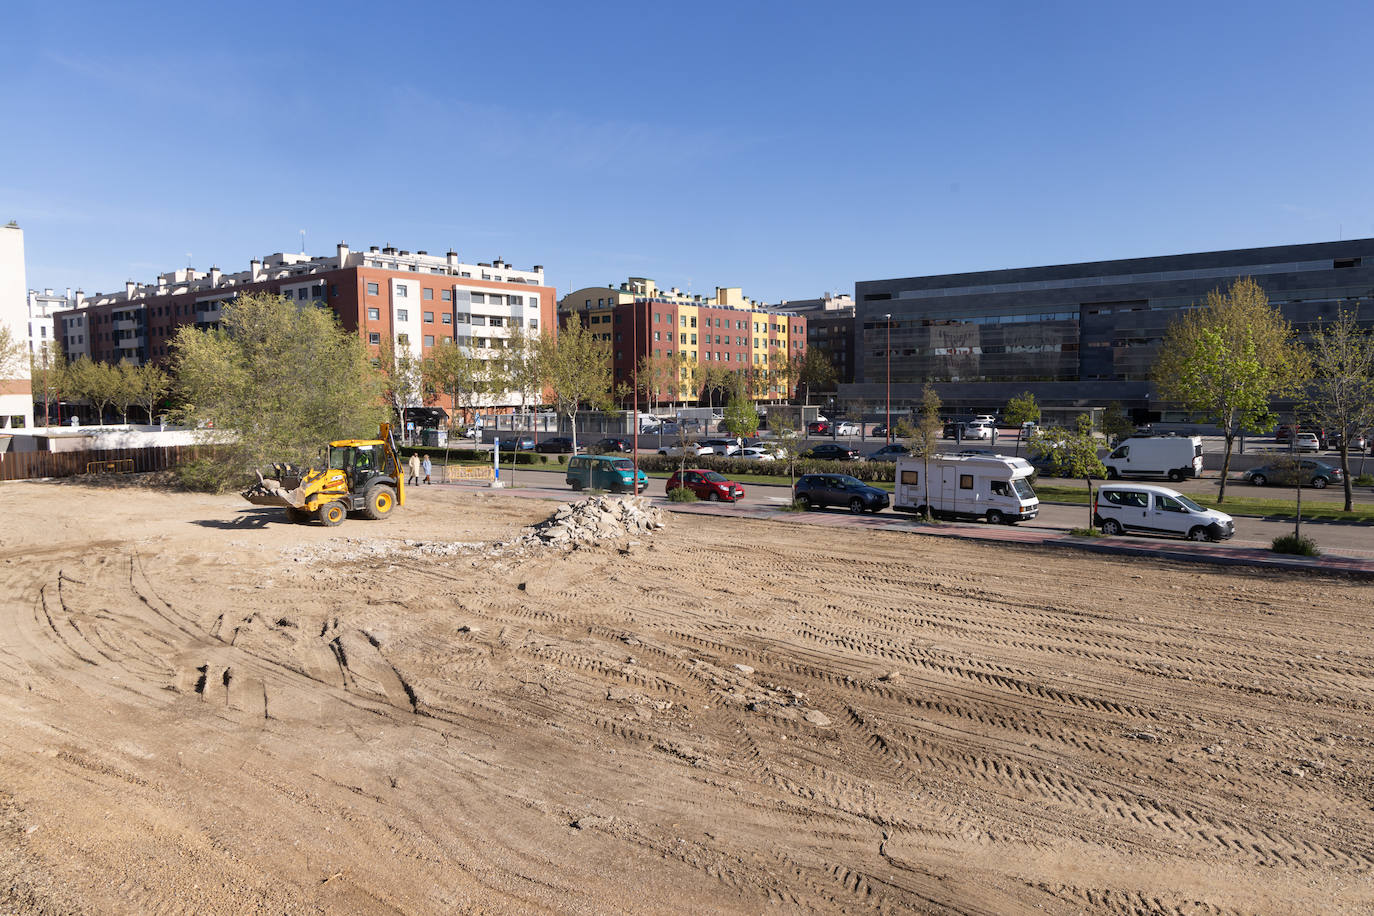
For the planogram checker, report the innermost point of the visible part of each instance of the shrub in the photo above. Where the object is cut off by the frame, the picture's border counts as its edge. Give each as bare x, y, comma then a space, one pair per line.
204, 475
1365, 480
793, 506
1295, 544
681, 495
1085, 533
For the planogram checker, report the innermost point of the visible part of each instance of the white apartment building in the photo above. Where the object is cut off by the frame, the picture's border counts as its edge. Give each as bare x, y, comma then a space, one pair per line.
42, 306
16, 394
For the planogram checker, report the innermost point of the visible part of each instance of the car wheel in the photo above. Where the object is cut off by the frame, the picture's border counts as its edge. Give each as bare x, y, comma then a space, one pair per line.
856, 506
804, 501
1198, 533
995, 517
663, 452
1319, 483
1258, 480
714, 497
1175, 476
576, 484
1112, 474
1111, 527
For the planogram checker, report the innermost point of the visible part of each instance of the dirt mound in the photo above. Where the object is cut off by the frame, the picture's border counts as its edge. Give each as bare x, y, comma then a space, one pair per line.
596, 520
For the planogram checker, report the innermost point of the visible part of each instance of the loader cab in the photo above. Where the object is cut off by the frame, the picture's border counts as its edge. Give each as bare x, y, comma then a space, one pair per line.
359, 460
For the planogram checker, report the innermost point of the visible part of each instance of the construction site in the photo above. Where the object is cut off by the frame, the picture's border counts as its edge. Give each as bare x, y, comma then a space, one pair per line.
492, 704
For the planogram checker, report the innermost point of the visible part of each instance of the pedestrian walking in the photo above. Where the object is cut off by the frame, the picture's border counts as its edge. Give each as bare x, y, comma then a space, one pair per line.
414, 475
426, 465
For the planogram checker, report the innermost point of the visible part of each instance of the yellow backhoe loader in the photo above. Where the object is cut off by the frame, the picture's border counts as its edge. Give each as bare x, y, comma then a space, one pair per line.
362, 475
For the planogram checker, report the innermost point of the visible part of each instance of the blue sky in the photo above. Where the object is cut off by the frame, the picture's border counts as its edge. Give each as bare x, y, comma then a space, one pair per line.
785, 147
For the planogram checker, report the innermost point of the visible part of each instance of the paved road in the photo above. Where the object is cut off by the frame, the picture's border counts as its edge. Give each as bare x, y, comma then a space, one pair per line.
1356, 539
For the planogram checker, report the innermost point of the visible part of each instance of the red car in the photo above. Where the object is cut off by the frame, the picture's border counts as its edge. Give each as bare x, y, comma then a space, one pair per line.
818, 428
706, 485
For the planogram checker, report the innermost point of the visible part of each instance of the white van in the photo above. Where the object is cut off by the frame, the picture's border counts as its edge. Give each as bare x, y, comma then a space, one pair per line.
1122, 507
994, 487
1174, 457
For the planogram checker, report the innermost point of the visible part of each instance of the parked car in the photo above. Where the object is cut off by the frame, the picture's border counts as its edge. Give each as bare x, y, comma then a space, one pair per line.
985, 418
1314, 473
693, 449
958, 429
820, 490
1119, 508
556, 445
611, 446
879, 430
517, 443
848, 428
1285, 432
1307, 442
706, 485
889, 452
829, 451
726, 447
818, 428
605, 472
754, 453
1357, 442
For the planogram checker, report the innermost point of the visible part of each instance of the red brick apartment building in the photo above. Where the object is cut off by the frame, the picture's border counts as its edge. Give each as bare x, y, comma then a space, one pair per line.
412, 298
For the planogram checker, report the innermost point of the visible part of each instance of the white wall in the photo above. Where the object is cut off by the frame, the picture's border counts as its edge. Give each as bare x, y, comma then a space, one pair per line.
14, 314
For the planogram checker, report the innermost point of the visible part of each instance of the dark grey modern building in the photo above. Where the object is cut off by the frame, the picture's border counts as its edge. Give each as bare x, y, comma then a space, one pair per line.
1076, 334
830, 328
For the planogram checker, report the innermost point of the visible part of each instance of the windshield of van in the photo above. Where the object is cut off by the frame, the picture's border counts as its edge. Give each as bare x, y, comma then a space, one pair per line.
1023, 488
1189, 503
623, 464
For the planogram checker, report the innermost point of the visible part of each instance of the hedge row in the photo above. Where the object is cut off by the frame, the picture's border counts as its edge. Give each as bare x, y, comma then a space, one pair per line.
868, 471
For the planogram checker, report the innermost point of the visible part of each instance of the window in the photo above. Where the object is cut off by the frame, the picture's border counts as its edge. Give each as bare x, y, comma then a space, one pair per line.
429, 340
462, 318
374, 314
427, 293
479, 298
429, 317
447, 318
694, 338
287, 294
515, 300
403, 339
403, 314
372, 289
446, 295
911, 478
534, 324
684, 320
694, 321
479, 342
684, 338
480, 320
497, 321
656, 335
401, 291
374, 337
966, 481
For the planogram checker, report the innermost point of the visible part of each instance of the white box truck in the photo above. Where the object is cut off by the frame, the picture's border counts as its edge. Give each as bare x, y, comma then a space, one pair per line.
1174, 457
992, 487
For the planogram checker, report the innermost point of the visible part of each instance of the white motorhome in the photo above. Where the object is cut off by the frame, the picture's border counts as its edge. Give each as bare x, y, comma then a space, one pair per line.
993, 487
1174, 457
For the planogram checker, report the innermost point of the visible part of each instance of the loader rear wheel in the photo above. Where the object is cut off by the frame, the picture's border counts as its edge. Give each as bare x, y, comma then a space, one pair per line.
379, 503
332, 514
298, 516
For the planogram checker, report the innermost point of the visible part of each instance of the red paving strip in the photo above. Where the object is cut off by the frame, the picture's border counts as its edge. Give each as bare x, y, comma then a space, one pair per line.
1188, 551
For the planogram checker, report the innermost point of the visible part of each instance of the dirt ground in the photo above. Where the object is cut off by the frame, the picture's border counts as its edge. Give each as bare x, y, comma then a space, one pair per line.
205, 709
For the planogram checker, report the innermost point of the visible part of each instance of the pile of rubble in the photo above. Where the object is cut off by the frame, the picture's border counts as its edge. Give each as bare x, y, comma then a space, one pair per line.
594, 520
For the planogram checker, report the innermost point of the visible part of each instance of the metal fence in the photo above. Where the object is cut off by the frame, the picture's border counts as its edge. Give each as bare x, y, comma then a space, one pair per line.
25, 465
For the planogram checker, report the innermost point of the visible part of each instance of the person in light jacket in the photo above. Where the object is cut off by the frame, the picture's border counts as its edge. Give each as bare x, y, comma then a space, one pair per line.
414, 475
426, 465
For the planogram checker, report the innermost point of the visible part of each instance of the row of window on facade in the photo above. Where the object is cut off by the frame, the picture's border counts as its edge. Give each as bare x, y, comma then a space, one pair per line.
479, 343
495, 321
415, 269
446, 295
690, 321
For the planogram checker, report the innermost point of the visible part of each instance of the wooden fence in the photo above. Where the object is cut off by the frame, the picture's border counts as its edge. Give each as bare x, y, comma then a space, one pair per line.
24, 465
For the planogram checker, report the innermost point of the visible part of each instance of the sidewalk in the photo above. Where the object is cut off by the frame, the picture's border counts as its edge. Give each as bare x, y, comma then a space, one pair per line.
1355, 562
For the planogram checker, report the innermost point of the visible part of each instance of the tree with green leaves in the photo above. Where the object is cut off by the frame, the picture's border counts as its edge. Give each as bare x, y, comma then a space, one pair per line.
1340, 395
812, 368
460, 373
282, 381
741, 419
48, 376
788, 434
577, 367
1227, 360
1020, 410
1115, 423
126, 388
924, 437
517, 367
150, 386
14, 352
402, 378
1071, 452
96, 382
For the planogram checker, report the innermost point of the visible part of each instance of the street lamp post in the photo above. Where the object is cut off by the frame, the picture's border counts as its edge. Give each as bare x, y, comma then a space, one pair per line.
634, 381
887, 319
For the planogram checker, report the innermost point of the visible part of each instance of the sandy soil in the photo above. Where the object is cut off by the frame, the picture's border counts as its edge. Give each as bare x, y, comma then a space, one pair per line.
204, 709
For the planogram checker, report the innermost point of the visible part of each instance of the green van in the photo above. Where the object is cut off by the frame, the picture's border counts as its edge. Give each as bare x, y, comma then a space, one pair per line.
604, 472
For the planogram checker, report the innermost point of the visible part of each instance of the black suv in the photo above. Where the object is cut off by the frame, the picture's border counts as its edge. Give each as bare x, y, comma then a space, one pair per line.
829, 451
612, 446
555, 445
819, 490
